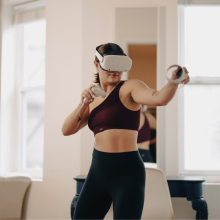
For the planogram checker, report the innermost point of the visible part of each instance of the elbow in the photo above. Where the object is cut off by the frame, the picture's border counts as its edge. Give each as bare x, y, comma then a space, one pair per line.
64, 132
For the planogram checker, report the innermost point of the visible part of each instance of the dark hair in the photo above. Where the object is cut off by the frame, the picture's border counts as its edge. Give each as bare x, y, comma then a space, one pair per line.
105, 48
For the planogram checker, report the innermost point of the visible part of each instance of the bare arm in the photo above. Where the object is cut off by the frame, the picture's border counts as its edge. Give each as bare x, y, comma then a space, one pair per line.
79, 117
142, 94
167, 93
71, 124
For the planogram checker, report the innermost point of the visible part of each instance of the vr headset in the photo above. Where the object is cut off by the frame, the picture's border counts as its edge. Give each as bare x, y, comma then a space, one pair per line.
113, 61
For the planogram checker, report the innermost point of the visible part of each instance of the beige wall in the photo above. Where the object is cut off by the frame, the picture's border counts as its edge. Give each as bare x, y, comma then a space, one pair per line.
74, 28
98, 28
137, 25
51, 198
136, 21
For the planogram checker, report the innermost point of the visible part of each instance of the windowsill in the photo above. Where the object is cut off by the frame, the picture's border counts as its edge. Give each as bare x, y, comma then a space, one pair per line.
205, 183
34, 174
37, 180
214, 184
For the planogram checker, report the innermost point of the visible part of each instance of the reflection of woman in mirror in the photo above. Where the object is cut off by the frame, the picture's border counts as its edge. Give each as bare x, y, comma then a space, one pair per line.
147, 122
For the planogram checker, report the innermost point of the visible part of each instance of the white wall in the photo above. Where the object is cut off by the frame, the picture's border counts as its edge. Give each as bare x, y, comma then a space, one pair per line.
74, 29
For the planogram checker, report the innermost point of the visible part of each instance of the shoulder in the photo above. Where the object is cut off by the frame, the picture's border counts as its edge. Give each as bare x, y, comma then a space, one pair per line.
125, 96
133, 83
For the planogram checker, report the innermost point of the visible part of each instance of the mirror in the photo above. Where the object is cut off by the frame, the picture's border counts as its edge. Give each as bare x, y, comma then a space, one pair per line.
136, 33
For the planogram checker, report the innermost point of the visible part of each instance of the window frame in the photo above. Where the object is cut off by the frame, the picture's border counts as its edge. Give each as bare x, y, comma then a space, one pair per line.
210, 175
19, 63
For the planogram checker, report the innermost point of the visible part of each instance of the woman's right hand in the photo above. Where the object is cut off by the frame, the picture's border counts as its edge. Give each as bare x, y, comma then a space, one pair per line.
88, 94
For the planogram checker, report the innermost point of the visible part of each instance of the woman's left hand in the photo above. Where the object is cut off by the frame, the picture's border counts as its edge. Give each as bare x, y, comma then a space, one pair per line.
185, 81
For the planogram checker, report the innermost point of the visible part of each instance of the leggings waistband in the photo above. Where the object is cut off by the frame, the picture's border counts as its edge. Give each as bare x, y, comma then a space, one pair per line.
113, 163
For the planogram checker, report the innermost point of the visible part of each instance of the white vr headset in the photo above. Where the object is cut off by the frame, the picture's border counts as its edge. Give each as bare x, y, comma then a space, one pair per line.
113, 61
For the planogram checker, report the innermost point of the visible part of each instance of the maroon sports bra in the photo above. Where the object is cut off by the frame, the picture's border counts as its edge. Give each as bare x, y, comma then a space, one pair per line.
112, 114
144, 132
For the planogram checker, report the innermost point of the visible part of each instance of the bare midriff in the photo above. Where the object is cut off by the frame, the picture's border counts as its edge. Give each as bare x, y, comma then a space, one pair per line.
116, 140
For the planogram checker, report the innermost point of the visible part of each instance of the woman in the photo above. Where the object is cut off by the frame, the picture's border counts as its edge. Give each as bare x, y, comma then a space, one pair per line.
147, 122
117, 172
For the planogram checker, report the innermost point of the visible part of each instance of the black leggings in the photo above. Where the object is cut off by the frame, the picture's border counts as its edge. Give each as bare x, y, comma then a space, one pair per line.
146, 155
113, 177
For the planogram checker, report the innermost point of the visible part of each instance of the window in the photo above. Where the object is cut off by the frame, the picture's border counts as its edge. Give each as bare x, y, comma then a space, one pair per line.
199, 100
30, 42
